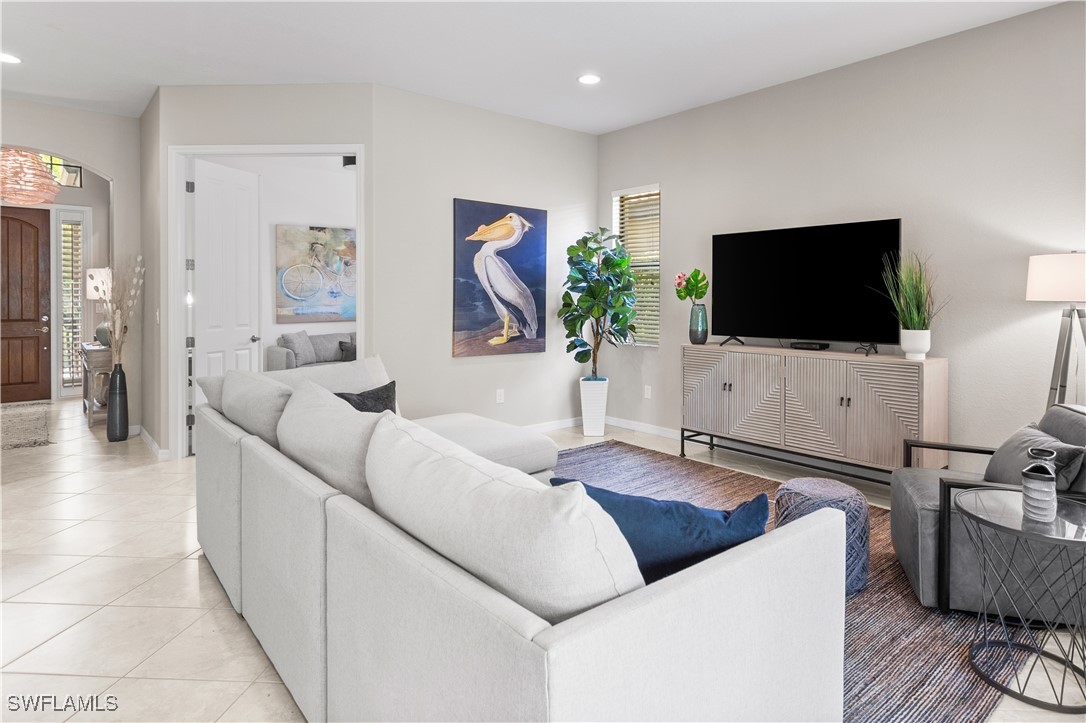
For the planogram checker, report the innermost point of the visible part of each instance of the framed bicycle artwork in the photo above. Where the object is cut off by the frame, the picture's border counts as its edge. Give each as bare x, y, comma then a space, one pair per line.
316, 270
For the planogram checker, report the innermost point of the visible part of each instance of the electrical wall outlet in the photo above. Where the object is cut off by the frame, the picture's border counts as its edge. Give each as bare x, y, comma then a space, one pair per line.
648, 392
499, 396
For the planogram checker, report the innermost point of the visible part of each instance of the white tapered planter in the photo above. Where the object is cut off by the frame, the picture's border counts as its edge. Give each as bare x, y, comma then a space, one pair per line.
916, 343
593, 405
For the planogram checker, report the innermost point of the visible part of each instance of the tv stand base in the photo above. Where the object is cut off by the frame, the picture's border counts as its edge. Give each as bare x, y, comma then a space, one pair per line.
713, 441
733, 338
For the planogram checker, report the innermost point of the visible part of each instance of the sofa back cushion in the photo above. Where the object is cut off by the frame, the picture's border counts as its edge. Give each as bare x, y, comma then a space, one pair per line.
553, 550
300, 343
1067, 423
329, 438
327, 348
354, 377
255, 402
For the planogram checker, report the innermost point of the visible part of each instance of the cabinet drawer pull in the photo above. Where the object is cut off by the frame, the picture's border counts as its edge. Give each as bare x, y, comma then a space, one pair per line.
729, 386
848, 402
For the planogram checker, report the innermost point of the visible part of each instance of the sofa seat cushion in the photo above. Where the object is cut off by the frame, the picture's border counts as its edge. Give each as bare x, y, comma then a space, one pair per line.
499, 442
914, 529
255, 402
329, 438
553, 550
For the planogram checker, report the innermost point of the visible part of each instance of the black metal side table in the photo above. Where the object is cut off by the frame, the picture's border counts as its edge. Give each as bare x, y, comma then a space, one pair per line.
1032, 628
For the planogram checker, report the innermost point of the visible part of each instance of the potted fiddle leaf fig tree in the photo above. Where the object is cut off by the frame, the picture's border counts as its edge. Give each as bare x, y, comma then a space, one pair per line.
597, 306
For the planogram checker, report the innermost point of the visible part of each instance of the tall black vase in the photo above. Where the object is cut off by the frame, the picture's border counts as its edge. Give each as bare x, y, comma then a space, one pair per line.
117, 410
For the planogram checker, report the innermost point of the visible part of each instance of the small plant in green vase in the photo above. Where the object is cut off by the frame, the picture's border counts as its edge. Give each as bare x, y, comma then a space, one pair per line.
597, 306
694, 286
910, 285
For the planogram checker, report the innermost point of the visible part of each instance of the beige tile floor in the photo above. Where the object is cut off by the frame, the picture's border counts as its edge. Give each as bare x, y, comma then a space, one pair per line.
105, 590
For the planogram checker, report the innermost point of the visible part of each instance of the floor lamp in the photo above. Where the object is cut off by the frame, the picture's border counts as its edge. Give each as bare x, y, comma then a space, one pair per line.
1060, 277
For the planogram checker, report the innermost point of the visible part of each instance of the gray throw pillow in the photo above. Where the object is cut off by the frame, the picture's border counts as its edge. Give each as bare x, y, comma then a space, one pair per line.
299, 343
375, 401
1013, 456
349, 350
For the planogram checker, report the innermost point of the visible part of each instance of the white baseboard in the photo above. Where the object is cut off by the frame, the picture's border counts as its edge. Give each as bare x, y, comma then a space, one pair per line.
160, 454
556, 424
643, 427
613, 421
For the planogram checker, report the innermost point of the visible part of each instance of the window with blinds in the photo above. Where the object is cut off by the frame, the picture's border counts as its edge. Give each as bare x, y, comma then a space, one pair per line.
71, 302
637, 220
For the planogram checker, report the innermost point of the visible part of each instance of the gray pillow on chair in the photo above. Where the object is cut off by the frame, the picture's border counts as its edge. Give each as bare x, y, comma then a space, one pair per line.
299, 343
1013, 456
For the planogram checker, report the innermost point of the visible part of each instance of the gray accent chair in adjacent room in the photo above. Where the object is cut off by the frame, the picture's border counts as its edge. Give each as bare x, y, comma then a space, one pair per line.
928, 535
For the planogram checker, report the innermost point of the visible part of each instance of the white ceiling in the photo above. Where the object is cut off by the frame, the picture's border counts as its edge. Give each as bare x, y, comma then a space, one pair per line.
517, 58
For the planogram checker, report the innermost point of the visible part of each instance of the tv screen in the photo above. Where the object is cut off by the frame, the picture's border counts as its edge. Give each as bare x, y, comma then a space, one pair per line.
815, 283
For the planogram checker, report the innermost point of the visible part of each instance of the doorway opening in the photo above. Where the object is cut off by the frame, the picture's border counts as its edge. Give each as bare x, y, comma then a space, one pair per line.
45, 252
226, 203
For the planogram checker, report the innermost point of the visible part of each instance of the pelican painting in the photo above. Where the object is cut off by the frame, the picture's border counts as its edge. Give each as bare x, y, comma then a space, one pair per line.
500, 260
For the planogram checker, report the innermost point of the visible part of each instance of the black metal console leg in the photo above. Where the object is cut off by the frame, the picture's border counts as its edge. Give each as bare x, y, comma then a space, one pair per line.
682, 442
712, 446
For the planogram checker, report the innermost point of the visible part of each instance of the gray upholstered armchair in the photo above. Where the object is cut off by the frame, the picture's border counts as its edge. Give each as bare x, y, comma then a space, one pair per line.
928, 535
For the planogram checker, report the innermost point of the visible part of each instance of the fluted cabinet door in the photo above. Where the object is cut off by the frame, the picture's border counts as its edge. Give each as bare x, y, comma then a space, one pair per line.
756, 402
884, 410
814, 405
704, 375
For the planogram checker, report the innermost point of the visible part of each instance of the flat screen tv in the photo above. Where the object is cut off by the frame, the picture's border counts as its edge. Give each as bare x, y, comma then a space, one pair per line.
815, 283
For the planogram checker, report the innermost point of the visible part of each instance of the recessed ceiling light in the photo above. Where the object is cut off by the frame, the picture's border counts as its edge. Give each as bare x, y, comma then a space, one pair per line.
588, 79
6, 58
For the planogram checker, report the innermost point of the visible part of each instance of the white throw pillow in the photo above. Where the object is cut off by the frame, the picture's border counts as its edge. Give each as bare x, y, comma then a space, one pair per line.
254, 402
328, 437
212, 389
551, 549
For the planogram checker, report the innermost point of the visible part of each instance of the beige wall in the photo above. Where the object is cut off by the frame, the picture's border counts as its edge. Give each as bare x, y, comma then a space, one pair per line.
108, 145
975, 140
425, 153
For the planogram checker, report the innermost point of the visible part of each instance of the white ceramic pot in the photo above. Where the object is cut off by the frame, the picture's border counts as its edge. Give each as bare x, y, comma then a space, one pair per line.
593, 406
916, 343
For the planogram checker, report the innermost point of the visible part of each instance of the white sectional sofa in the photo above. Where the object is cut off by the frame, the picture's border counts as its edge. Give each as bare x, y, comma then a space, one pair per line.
365, 622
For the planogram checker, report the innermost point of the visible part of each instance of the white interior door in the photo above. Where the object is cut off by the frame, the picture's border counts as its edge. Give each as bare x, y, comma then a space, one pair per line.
226, 296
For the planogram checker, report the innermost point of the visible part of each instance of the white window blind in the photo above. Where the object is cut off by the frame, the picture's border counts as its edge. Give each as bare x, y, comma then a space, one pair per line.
71, 302
637, 220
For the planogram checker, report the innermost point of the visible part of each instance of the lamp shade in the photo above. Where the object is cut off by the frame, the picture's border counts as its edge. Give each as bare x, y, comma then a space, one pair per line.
99, 284
1056, 277
25, 180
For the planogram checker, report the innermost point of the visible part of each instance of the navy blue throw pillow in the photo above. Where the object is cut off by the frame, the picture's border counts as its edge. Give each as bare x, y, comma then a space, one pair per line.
667, 536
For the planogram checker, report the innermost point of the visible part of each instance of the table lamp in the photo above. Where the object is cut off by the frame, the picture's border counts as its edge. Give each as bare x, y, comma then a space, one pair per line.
1060, 277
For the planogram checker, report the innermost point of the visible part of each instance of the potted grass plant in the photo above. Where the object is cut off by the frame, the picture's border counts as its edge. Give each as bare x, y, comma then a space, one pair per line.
910, 286
597, 306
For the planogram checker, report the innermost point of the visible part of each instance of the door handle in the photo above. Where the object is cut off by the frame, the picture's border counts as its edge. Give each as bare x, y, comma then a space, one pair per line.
254, 338
43, 330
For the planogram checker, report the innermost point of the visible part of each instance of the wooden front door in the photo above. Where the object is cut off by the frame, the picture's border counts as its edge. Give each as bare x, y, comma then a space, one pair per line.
24, 304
